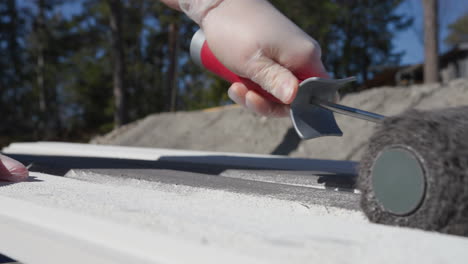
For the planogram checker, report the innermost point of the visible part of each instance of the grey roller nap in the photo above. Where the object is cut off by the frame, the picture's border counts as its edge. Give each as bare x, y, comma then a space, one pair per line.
439, 140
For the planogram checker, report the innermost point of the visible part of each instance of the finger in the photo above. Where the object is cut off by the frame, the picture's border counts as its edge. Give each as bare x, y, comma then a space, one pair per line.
304, 60
241, 95
312, 69
272, 77
237, 93
265, 107
12, 170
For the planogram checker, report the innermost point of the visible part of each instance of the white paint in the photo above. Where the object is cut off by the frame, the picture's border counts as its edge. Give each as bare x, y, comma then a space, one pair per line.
120, 152
222, 158
62, 220
35, 234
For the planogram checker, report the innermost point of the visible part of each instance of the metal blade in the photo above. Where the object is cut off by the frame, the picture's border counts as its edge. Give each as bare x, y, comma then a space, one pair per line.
350, 111
312, 110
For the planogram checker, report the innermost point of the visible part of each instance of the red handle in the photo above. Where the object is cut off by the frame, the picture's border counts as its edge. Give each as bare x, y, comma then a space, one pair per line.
202, 54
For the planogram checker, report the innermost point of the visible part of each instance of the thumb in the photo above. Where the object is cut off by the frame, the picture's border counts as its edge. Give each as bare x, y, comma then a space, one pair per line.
272, 77
12, 170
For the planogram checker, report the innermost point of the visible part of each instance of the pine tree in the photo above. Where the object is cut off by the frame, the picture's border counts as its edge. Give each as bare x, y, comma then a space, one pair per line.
458, 31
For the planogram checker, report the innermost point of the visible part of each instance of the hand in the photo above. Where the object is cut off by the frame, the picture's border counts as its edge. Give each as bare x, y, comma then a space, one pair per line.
12, 170
255, 41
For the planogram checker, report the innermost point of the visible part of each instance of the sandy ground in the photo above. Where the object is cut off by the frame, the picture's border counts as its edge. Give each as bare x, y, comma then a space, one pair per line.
233, 129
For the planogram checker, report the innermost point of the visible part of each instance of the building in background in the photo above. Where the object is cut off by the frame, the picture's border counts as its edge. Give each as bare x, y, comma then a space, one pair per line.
453, 65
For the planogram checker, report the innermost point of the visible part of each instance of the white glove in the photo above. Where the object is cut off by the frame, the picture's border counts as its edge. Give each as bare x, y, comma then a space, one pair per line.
12, 170
255, 41
197, 9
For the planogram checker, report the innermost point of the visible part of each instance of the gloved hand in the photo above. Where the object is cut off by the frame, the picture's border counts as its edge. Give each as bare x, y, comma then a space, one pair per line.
12, 170
255, 41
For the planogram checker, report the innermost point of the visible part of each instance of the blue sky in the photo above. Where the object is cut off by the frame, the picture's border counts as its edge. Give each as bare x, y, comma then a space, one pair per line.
411, 40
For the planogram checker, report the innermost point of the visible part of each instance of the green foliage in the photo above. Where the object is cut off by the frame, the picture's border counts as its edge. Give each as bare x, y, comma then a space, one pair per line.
355, 37
16, 97
458, 31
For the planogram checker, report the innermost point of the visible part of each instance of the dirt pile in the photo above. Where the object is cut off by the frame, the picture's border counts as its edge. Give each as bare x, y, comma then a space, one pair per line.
234, 129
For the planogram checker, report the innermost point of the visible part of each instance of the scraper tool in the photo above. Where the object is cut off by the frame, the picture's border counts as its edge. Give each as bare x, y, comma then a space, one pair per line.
312, 109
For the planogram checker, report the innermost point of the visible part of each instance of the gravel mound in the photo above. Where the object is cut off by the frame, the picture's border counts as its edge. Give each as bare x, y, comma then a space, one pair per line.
234, 129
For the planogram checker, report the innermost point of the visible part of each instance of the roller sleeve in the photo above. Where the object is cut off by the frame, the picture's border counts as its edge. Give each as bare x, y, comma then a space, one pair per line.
414, 172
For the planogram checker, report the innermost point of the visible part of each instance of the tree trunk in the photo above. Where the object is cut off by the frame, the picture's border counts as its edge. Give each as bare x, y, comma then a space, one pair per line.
40, 72
50, 124
172, 71
118, 63
431, 47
